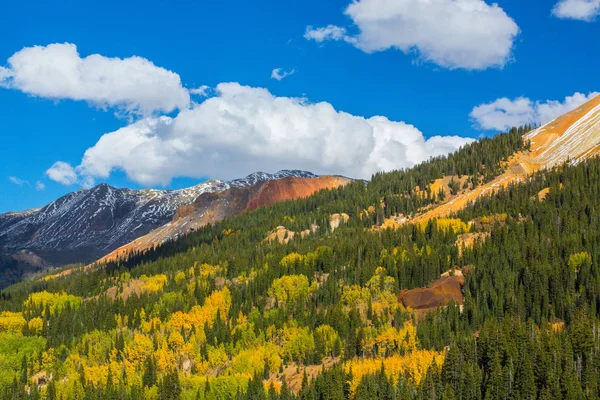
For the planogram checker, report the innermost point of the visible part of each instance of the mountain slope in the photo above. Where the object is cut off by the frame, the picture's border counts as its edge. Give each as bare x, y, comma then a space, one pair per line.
87, 224
572, 137
210, 208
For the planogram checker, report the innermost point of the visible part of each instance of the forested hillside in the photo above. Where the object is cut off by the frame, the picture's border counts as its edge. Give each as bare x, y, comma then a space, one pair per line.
223, 313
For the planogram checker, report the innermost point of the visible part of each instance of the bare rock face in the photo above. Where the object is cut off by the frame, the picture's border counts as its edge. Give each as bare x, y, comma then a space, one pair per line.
87, 224
335, 220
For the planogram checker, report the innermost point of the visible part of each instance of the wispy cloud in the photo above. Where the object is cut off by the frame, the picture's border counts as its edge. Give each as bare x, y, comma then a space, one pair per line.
280, 73
39, 186
329, 32
17, 181
203, 91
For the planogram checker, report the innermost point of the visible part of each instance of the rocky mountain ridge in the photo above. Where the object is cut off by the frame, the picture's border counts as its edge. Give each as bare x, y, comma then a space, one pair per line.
210, 208
89, 223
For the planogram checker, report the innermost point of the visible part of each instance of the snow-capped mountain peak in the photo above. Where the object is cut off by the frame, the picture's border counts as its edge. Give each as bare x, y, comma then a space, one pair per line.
97, 220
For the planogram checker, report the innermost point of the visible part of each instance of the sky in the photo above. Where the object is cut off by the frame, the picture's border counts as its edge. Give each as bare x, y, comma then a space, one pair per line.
167, 94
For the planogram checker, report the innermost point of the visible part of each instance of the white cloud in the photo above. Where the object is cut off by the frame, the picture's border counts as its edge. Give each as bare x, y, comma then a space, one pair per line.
62, 172
17, 181
57, 71
279, 73
468, 34
329, 32
584, 10
504, 113
39, 186
244, 129
203, 91
5, 74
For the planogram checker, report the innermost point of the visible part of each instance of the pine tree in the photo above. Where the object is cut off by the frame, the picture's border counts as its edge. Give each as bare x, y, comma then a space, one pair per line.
149, 376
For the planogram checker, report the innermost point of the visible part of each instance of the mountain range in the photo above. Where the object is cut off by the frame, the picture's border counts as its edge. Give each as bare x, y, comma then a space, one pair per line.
85, 225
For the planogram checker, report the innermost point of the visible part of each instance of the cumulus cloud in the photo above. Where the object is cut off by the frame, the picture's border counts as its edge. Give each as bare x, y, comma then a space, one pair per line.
584, 10
505, 113
39, 186
467, 34
244, 129
132, 85
62, 172
279, 73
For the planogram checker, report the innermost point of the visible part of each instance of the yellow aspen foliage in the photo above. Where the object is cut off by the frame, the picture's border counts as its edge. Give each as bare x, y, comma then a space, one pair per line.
576, 260
413, 365
35, 325
252, 361
48, 359
291, 260
355, 296
217, 356
386, 303
55, 301
387, 341
96, 375
368, 340
165, 359
276, 384
180, 277
95, 345
137, 350
408, 338
244, 332
298, 343
151, 393
289, 288
152, 324
70, 387
222, 386
191, 272
12, 322
231, 232
198, 316
326, 336
154, 283
210, 271
176, 341
456, 225
491, 219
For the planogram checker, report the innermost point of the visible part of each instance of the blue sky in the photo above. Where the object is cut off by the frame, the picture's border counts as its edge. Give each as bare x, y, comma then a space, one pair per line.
208, 43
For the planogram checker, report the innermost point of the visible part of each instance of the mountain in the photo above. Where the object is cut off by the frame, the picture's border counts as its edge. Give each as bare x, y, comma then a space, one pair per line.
212, 207
87, 224
572, 137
